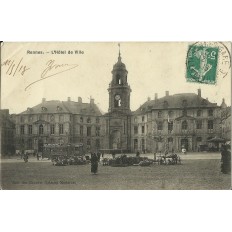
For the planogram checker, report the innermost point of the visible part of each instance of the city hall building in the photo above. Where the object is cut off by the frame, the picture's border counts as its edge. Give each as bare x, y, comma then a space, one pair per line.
168, 123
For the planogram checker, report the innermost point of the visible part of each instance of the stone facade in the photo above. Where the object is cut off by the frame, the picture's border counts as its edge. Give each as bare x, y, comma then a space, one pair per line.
59, 122
7, 133
173, 122
169, 123
226, 122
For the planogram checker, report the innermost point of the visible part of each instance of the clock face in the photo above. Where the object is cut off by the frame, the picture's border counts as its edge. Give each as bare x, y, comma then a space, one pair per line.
117, 97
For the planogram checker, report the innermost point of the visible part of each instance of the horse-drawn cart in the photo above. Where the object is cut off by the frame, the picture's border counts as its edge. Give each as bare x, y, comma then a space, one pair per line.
172, 159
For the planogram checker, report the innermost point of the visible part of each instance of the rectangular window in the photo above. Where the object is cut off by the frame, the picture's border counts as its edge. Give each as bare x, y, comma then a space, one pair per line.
61, 129
160, 126
210, 112
210, 124
135, 130
199, 124
143, 129
97, 131
30, 129
81, 130
22, 130
88, 131
135, 144
170, 126
97, 143
52, 128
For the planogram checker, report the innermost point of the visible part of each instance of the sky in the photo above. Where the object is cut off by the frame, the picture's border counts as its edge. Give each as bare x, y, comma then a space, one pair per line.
152, 68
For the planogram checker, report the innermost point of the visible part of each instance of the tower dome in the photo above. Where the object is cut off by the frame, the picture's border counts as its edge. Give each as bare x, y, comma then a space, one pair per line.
119, 65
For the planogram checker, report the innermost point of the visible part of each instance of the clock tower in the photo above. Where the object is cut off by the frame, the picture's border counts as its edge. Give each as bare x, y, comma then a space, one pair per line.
118, 118
119, 90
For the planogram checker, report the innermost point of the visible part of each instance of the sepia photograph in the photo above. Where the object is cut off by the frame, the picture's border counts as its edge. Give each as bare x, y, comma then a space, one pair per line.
115, 116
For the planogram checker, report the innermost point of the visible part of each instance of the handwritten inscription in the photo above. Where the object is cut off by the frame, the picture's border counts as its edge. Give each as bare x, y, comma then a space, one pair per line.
14, 67
53, 69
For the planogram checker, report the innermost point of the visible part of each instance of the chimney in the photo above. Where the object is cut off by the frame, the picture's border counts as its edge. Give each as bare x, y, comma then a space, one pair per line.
167, 93
148, 99
43, 100
199, 92
223, 105
79, 100
69, 99
156, 96
91, 101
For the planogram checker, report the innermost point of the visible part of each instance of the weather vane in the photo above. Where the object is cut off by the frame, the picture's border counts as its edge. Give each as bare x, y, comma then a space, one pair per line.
119, 49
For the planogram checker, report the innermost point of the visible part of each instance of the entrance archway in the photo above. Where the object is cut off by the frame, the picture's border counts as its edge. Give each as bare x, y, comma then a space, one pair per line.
115, 139
40, 145
184, 144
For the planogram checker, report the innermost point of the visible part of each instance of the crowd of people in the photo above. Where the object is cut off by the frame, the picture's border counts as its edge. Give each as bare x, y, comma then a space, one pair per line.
96, 156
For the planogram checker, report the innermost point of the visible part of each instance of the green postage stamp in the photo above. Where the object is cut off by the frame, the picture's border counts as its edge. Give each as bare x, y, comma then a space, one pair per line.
202, 64
207, 62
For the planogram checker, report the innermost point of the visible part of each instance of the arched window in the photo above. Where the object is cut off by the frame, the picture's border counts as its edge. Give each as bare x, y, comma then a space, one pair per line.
118, 79
184, 125
97, 120
170, 140
41, 129
81, 119
143, 118
88, 120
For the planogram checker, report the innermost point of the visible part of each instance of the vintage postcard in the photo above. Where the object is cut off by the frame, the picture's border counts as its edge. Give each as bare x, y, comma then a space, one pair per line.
116, 116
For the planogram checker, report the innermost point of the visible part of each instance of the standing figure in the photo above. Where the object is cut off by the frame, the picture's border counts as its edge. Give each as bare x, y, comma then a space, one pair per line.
94, 163
226, 160
25, 157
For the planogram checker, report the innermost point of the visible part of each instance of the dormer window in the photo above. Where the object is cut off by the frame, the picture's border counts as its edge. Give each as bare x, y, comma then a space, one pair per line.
184, 103
58, 108
165, 104
43, 109
204, 102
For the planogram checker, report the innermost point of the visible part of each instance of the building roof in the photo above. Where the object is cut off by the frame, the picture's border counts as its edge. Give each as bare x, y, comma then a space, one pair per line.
176, 101
55, 106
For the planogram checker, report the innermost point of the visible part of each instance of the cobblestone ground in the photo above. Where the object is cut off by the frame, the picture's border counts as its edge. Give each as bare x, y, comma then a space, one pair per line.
197, 171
